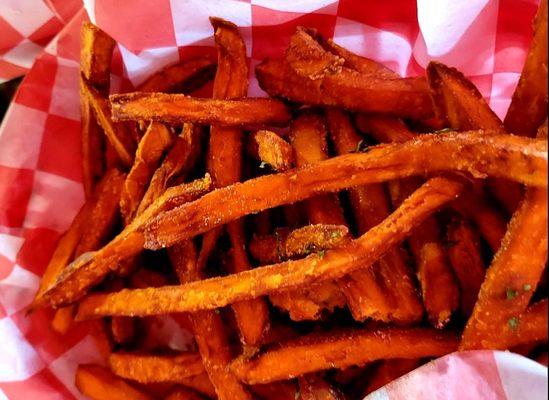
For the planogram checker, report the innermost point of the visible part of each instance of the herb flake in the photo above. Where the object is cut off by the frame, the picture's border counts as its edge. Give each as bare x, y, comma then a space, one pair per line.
513, 323
511, 293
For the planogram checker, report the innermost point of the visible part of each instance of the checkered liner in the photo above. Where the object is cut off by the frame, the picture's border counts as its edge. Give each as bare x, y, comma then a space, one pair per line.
40, 173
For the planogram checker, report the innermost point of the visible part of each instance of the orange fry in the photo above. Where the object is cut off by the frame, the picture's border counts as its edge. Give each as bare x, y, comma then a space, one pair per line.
179, 108
531, 327
151, 148
122, 329
225, 165
512, 277
93, 159
528, 107
403, 97
313, 387
89, 269
271, 150
103, 215
177, 162
209, 330
95, 56
99, 383
459, 103
307, 58
63, 319
201, 383
303, 241
524, 160
473, 205
117, 134
464, 254
370, 206
438, 284
317, 352
183, 77
335, 263
147, 368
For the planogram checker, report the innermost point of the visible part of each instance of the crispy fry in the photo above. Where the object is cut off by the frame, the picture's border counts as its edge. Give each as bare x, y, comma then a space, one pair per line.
528, 107
147, 368
218, 292
151, 148
89, 269
307, 58
370, 206
284, 244
177, 162
271, 150
182, 393
482, 155
403, 97
99, 383
317, 352
464, 254
209, 330
103, 215
438, 284
178, 108
95, 56
95, 64
225, 166
459, 103
183, 77
531, 327
512, 277
122, 329
353, 61
117, 133
313, 387
389, 370
63, 319
473, 205
201, 383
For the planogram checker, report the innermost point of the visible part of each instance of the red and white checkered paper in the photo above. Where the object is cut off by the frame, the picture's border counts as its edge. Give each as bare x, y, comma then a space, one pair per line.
40, 173
26, 26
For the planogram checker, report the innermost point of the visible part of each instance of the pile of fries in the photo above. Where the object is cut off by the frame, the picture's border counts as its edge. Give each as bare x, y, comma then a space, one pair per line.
395, 221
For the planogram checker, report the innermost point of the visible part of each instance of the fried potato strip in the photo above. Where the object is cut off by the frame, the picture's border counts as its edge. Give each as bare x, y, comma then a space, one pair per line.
99, 383
271, 150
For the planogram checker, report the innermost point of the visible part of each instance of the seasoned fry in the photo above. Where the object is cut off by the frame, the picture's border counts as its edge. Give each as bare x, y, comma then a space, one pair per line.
151, 148
93, 144
528, 107
99, 383
225, 165
147, 368
524, 160
183, 77
313, 387
438, 284
177, 162
178, 108
402, 97
531, 327
271, 150
464, 254
103, 215
307, 58
300, 242
317, 352
459, 103
63, 319
122, 329
389, 370
210, 331
512, 277
117, 133
370, 206
89, 269
218, 292
95, 56
473, 205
